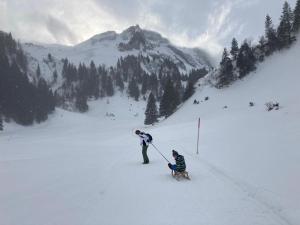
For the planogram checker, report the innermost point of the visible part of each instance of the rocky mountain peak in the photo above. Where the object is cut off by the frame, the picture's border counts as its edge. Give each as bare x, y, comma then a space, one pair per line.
133, 39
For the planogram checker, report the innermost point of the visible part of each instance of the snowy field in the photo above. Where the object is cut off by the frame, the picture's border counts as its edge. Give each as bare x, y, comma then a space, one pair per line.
85, 169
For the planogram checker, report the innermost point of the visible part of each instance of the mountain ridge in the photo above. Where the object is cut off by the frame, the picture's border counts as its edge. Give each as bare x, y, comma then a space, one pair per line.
106, 48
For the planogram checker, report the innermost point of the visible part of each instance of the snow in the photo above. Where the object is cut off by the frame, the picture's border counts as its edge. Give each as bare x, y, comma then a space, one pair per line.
85, 169
103, 49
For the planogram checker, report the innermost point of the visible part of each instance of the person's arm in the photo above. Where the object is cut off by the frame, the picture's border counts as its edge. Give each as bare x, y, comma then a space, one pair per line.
142, 138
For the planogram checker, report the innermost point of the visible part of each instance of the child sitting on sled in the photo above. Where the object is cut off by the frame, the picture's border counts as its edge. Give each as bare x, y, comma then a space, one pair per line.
178, 169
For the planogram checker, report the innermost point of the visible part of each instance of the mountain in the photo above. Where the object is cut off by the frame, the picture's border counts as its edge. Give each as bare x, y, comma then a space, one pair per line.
137, 61
143, 63
108, 47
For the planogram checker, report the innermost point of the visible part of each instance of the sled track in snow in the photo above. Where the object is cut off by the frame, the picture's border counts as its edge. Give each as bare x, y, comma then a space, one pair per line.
251, 192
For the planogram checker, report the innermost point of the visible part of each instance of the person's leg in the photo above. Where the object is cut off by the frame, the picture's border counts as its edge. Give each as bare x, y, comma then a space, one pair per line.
145, 156
174, 170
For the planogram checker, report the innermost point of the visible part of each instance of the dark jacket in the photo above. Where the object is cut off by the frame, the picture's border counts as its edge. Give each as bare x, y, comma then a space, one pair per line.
180, 163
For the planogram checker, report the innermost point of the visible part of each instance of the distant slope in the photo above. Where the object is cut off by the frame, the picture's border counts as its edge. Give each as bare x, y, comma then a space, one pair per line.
276, 79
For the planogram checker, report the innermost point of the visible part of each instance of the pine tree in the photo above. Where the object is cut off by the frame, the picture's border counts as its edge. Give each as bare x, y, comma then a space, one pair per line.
153, 84
21, 100
82, 72
81, 101
170, 99
133, 90
119, 81
43, 101
176, 98
93, 81
260, 49
151, 111
50, 58
21, 58
234, 49
246, 60
65, 68
189, 91
226, 70
144, 84
1, 123
271, 36
21, 97
284, 31
296, 21
38, 71
103, 85
109, 86
55, 75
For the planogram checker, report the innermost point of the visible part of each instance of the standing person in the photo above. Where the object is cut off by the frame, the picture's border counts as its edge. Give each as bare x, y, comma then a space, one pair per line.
145, 140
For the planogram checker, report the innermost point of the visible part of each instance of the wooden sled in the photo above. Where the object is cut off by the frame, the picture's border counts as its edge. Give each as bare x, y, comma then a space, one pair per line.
179, 175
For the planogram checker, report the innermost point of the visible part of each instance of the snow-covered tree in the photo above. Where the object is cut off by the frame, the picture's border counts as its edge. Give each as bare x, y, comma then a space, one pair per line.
261, 49
109, 87
189, 91
170, 99
246, 60
144, 84
296, 21
234, 49
133, 90
271, 36
119, 81
284, 31
225, 76
38, 71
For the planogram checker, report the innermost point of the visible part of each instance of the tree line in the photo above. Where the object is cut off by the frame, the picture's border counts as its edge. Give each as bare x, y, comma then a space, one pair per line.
167, 87
240, 61
21, 100
28, 99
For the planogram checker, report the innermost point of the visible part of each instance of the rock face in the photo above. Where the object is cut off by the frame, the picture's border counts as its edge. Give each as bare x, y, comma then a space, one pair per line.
137, 40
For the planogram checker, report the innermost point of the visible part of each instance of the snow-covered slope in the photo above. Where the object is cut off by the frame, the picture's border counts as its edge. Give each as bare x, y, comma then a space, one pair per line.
47, 65
86, 168
255, 149
108, 47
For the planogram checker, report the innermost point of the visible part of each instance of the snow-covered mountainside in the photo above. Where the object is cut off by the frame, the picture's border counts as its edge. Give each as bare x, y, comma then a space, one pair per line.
86, 168
108, 47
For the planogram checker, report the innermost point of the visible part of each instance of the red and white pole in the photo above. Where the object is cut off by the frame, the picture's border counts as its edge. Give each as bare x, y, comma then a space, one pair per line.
198, 136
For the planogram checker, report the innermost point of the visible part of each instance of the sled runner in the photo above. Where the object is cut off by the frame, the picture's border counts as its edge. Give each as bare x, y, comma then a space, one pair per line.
179, 175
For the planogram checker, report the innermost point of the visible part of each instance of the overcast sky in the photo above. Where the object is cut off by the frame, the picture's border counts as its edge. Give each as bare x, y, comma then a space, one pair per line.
209, 24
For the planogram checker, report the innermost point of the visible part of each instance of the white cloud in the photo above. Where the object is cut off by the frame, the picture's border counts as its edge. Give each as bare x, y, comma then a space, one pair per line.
3, 14
210, 24
217, 28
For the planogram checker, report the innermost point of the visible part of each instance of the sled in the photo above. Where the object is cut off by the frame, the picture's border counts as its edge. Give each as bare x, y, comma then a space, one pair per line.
179, 175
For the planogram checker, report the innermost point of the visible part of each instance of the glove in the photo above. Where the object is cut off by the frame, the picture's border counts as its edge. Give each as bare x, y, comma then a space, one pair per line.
170, 165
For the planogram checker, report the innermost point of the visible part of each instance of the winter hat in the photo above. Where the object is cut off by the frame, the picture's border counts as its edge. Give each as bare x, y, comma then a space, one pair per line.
137, 132
174, 153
